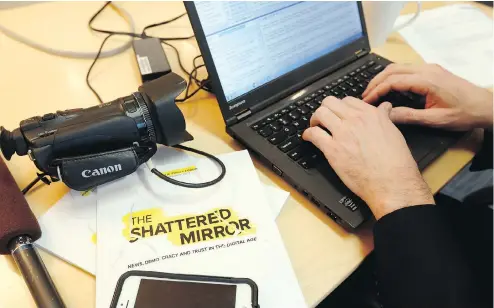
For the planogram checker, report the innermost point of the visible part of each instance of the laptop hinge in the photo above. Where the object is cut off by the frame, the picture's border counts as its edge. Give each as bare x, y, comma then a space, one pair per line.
360, 53
242, 115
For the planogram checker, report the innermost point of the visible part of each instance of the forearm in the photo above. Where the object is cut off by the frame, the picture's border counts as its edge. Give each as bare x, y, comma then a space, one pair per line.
421, 259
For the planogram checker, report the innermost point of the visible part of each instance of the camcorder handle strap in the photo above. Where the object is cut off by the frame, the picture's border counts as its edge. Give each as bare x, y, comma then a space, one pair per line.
88, 171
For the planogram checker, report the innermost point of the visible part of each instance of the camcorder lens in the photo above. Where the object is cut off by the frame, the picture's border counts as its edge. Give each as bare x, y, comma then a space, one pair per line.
136, 108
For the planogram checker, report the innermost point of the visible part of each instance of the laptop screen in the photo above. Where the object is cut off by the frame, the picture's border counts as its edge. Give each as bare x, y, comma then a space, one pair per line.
253, 43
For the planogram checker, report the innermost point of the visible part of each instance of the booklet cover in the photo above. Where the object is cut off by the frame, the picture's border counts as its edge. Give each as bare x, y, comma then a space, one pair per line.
228, 230
69, 226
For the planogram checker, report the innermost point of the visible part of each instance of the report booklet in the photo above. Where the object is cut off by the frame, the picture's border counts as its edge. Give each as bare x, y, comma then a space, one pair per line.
69, 226
145, 223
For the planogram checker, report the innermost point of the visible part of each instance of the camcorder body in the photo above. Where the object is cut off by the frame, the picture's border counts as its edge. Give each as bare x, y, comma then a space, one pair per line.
85, 148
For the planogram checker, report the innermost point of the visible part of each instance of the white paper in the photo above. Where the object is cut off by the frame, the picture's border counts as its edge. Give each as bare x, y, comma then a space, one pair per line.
69, 226
458, 37
139, 203
276, 198
69, 230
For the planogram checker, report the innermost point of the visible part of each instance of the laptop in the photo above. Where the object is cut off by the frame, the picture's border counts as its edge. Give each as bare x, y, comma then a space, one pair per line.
272, 63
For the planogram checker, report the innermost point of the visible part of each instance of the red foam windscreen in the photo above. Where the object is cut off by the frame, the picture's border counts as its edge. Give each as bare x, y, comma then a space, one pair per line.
16, 218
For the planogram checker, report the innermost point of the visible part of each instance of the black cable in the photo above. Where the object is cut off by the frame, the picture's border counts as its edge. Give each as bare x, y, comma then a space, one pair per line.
200, 83
40, 177
189, 83
90, 24
195, 65
134, 35
205, 84
92, 65
177, 53
173, 38
192, 76
195, 58
194, 185
162, 23
143, 35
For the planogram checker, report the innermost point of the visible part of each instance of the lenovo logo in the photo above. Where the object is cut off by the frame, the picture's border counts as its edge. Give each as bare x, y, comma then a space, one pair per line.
236, 105
101, 171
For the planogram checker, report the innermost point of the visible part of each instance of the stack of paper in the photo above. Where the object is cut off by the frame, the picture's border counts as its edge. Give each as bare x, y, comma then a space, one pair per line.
69, 227
224, 230
459, 37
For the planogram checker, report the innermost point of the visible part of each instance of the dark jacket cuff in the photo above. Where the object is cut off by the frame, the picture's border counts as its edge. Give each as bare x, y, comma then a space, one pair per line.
483, 159
422, 256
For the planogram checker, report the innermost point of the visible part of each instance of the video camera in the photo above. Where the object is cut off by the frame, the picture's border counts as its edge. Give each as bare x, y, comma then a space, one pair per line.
85, 148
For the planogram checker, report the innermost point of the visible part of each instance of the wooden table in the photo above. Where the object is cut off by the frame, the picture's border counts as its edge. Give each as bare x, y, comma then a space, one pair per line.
34, 83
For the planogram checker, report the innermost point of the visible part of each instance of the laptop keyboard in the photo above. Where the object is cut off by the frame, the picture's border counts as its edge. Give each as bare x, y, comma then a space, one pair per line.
284, 127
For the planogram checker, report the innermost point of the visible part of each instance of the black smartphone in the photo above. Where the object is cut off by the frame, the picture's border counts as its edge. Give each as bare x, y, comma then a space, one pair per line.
144, 289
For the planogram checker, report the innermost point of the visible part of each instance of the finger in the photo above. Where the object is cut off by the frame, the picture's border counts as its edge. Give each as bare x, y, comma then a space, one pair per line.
435, 117
385, 108
326, 118
403, 83
356, 103
321, 139
340, 109
391, 70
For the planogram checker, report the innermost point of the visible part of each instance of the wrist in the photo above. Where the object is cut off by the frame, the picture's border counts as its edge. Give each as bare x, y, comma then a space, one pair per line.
391, 205
484, 121
413, 194
485, 114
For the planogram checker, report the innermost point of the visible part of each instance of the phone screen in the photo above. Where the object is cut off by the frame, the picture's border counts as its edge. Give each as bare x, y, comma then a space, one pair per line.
154, 293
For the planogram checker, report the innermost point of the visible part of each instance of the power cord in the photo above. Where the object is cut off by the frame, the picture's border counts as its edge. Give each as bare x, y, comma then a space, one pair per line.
133, 34
90, 24
177, 53
191, 185
92, 65
202, 84
162, 23
40, 177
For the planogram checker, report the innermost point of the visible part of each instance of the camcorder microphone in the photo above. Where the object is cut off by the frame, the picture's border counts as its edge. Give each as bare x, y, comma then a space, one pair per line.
18, 231
85, 148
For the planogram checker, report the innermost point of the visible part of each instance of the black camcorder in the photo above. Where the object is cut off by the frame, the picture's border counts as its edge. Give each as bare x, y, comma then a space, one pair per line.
85, 148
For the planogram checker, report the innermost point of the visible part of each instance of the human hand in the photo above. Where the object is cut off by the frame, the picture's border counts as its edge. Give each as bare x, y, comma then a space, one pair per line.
451, 102
369, 154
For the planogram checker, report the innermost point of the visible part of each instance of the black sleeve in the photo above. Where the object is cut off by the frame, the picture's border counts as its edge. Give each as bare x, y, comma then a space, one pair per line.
483, 159
435, 256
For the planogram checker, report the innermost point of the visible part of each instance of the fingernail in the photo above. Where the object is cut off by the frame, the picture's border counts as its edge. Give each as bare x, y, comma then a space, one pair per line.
304, 134
386, 106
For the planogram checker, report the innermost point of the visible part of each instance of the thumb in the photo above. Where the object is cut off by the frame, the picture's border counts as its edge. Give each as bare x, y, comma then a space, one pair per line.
405, 115
385, 108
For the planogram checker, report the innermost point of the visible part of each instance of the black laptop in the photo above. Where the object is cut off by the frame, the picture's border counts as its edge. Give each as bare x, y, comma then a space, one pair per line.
272, 63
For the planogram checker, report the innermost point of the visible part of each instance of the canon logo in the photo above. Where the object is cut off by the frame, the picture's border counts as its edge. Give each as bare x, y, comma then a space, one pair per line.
101, 171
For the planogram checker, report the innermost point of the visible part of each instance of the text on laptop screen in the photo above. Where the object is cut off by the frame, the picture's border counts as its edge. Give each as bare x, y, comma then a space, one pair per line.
253, 43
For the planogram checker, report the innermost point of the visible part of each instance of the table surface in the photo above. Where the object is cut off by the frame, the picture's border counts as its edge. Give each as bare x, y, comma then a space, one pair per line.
34, 83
